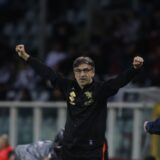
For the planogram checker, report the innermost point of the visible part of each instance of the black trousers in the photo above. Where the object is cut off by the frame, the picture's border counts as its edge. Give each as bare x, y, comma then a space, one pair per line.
100, 153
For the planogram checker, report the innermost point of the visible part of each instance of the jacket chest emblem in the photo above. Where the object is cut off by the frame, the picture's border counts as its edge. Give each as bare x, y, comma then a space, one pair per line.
88, 98
72, 97
88, 94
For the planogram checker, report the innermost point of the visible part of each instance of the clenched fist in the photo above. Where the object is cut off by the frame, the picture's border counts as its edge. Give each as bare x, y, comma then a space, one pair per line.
145, 126
20, 49
138, 62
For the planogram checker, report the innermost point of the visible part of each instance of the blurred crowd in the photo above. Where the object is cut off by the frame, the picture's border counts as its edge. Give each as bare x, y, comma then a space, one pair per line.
111, 34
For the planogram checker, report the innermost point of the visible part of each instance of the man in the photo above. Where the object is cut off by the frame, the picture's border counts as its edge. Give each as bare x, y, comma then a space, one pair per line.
152, 127
84, 134
5, 147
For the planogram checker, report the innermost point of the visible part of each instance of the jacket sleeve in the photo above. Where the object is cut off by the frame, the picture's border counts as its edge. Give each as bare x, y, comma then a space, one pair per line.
112, 86
48, 74
153, 127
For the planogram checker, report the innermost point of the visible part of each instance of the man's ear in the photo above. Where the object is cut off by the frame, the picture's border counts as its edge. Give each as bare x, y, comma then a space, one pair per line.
93, 74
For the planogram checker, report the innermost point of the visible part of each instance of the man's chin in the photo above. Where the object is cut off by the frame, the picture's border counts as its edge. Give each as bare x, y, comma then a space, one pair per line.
83, 83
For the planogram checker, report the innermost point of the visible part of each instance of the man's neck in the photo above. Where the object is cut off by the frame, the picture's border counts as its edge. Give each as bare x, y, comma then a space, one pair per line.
83, 86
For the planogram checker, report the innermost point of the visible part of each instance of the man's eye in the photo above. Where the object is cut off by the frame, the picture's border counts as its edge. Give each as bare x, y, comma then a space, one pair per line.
87, 69
83, 70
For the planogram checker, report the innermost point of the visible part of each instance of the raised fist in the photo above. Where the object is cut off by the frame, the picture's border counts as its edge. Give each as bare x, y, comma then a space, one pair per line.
138, 62
20, 49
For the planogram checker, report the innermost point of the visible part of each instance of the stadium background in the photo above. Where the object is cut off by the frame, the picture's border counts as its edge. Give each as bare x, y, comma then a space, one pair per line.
111, 32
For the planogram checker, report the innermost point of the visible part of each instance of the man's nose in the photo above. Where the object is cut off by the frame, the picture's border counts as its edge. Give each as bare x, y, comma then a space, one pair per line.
82, 73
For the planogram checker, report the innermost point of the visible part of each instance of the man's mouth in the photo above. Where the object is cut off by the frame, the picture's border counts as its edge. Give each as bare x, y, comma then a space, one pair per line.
82, 79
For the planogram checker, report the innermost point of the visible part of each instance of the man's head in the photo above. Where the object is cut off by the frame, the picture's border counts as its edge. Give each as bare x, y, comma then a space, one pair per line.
84, 70
4, 142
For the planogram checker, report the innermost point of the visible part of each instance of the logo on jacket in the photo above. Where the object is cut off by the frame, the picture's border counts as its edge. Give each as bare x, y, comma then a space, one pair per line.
72, 97
88, 94
88, 98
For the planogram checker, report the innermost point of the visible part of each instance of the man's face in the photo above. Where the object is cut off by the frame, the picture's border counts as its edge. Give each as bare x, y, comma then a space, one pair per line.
84, 74
3, 143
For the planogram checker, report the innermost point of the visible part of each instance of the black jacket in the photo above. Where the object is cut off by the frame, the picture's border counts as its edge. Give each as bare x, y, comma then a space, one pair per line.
86, 108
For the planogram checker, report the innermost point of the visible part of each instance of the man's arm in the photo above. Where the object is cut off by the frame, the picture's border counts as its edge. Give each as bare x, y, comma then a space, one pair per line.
152, 127
43, 70
122, 79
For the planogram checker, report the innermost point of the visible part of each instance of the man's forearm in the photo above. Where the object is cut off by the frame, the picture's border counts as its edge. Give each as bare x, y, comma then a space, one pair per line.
43, 70
124, 78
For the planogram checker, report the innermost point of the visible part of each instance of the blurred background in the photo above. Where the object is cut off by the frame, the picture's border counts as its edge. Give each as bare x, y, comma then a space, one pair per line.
112, 32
